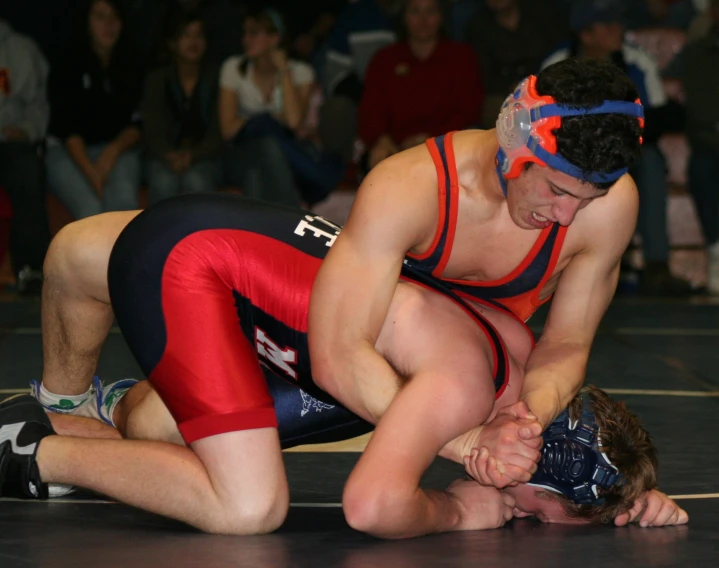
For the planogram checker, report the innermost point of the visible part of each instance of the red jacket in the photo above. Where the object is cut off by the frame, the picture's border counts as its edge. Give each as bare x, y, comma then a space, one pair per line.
404, 96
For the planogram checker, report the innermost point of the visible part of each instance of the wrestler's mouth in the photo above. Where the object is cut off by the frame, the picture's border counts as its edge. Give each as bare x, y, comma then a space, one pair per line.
539, 221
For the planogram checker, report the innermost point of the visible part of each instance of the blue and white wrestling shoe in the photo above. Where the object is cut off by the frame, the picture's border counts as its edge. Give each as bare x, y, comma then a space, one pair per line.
100, 402
23, 424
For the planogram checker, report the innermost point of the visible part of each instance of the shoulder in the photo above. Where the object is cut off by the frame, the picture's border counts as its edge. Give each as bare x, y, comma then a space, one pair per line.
611, 219
302, 73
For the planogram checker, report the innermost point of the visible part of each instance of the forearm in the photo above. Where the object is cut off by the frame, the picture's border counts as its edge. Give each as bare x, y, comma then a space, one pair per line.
363, 380
426, 512
555, 372
292, 110
230, 126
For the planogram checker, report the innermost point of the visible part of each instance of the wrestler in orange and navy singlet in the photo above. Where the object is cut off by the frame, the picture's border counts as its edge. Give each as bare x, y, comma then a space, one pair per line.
517, 292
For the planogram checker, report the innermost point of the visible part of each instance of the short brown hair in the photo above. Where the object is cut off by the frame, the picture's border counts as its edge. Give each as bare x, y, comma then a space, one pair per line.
629, 448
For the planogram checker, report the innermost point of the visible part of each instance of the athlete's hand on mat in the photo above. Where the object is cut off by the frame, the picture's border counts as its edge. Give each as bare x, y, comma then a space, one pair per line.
653, 509
508, 448
482, 507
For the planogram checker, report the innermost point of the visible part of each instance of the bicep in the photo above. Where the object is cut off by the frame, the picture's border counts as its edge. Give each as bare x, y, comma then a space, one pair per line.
356, 281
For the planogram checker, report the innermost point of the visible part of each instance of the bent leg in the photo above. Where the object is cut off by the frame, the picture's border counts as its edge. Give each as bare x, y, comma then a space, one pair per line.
232, 483
76, 311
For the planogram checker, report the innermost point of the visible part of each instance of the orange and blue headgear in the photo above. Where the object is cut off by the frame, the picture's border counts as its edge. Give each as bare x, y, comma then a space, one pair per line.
525, 131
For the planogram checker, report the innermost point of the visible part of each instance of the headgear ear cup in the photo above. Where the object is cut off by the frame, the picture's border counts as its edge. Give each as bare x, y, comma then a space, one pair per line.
525, 128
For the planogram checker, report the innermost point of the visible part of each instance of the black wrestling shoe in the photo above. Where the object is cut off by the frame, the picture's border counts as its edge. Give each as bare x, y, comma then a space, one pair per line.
23, 423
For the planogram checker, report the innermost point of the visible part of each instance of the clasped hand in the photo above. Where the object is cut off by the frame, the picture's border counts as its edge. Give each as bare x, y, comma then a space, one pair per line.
508, 448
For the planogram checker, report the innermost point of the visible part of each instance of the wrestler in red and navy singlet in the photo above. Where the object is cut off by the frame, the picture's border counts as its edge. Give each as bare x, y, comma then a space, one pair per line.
205, 288
518, 292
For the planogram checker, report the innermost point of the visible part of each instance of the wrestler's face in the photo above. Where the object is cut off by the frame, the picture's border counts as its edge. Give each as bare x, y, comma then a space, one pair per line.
541, 196
190, 45
104, 25
423, 19
536, 502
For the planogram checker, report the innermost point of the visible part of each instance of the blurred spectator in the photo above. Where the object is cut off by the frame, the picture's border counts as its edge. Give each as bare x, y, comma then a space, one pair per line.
460, 12
363, 28
701, 84
439, 76
179, 111
23, 121
94, 95
264, 98
511, 38
599, 33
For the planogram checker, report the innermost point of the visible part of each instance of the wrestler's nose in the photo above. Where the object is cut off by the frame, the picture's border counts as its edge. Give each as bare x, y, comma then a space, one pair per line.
564, 210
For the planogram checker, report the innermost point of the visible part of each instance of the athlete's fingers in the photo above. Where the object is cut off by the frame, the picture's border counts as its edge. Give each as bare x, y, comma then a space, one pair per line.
654, 504
508, 499
496, 470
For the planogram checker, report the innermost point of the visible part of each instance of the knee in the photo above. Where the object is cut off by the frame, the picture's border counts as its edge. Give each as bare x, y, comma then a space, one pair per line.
260, 515
70, 251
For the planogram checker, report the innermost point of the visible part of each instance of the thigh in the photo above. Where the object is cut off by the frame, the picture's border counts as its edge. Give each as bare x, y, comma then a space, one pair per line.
80, 253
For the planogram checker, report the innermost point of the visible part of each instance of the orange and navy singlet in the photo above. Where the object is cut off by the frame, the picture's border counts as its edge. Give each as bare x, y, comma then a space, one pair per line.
518, 292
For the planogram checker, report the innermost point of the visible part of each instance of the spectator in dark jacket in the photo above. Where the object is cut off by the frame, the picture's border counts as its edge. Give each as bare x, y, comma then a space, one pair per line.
179, 112
93, 165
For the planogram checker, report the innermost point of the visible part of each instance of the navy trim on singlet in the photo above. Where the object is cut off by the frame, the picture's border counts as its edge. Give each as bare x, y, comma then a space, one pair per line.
528, 280
436, 256
502, 370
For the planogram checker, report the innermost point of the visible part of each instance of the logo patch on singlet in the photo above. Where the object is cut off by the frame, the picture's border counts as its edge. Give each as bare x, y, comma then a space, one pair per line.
318, 227
282, 359
310, 402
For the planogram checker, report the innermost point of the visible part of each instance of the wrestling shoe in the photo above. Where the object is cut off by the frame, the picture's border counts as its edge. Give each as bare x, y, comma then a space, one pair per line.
23, 424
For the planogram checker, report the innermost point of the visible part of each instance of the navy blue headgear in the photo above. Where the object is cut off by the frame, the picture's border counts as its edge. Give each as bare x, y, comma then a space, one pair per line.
572, 462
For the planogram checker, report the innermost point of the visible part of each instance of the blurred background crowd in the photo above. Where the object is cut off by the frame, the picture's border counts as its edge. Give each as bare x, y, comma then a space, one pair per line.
116, 104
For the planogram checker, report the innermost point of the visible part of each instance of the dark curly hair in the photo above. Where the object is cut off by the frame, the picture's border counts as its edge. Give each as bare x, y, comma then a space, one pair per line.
599, 142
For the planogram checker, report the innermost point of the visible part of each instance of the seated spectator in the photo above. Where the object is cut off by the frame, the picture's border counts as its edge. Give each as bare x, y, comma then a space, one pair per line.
179, 111
23, 121
511, 38
264, 98
701, 85
423, 86
362, 29
599, 33
93, 165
